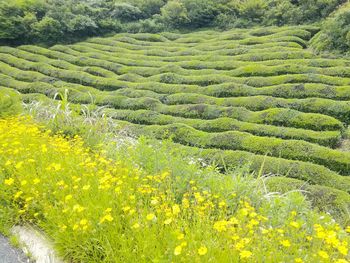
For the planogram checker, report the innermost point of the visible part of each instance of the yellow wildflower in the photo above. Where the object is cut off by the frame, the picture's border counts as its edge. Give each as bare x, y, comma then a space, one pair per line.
343, 250
180, 236
83, 222
178, 250
294, 224
222, 204
285, 243
150, 217
19, 165
9, 181
176, 209
36, 181
68, 197
245, 254
220, 226
107, 217
323, 254
126, 209
86, 187
136, 225
168, 221
202, 250
18, 194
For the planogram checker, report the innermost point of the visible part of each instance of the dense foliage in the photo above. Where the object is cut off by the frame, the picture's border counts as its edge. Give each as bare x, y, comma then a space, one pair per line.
335, 33
51, 21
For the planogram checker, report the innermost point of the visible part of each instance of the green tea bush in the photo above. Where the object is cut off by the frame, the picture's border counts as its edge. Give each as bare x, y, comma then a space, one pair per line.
259, 164
337, 109
323, 198
147, 117
280, 117
289, 149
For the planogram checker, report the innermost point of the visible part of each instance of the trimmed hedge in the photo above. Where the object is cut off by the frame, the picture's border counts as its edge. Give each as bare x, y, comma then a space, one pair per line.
54, 74
279, 117
78, 60
147, 117
233, 140
337, 109
323, 198
260, 164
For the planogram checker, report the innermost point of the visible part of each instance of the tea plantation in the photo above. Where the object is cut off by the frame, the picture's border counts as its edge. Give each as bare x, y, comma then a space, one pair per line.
256, 96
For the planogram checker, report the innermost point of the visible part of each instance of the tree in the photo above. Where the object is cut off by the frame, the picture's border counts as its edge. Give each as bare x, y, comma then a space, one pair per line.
47, 30
175, 13
335, 33
201, 12
252, 10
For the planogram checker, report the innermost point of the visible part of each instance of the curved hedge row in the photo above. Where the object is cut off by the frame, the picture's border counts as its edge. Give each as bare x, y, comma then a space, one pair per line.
326, 199
337, 109
185, 53
260, 164
120, 100
173, 78
106, 44
207, 80
221, 90
147, 117
304, 120
275, 116
234, 140
279, 117
78, 60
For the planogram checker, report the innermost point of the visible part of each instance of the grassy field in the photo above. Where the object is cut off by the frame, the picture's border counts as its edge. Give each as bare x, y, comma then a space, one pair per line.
256, 96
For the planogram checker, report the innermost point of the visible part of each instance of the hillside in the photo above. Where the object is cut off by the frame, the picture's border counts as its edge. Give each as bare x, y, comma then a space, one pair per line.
256, 96
208, 146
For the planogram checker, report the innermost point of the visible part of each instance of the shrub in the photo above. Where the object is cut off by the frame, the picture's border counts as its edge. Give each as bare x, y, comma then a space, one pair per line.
280, 117
125, 12
335, 33
48, 30
289, 149
201, 13
323, 198
259, 164
175, 13
326, 138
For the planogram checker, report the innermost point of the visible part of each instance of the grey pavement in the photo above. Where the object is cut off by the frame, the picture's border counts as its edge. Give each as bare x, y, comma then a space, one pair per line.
8, 254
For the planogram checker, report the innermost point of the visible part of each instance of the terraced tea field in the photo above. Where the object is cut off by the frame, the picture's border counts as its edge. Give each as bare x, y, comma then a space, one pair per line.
257, 96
